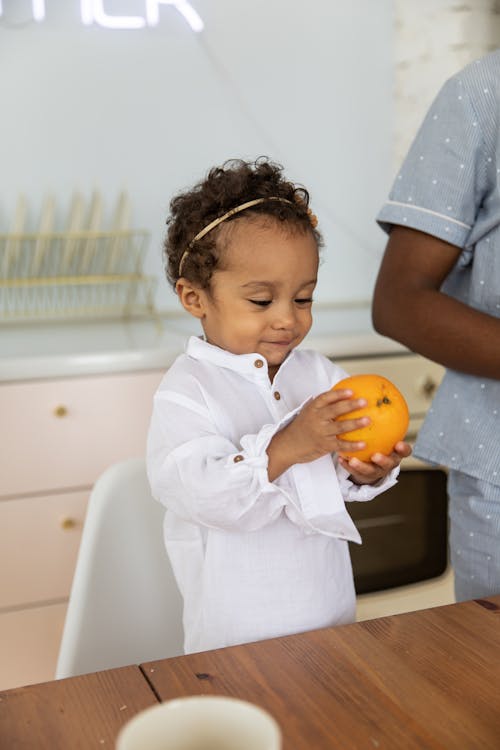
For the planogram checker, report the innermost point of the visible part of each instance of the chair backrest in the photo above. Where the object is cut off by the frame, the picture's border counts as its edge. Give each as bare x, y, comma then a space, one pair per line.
124, 606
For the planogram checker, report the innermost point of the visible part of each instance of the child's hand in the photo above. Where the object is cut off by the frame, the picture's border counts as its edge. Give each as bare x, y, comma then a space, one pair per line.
370, 472
314, 432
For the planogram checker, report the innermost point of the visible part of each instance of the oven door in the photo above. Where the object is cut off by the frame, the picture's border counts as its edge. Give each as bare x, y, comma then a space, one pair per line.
402, 564
404, 532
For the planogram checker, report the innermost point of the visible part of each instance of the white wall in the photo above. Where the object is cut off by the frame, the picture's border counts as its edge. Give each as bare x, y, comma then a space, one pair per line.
149, 111
433, 40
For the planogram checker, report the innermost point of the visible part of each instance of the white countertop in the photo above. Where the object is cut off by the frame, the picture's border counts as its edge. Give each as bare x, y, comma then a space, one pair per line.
31, 351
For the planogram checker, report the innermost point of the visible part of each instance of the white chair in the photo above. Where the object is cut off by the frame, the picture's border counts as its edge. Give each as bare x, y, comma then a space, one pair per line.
124, 607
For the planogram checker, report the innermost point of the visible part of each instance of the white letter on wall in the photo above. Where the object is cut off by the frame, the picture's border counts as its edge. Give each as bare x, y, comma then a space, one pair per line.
93, 11
39, 10
182, 6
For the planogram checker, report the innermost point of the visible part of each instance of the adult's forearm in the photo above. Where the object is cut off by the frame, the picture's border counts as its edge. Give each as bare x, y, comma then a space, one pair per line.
441, 328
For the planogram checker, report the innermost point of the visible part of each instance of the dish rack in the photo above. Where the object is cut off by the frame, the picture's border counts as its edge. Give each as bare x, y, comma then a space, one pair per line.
74, 274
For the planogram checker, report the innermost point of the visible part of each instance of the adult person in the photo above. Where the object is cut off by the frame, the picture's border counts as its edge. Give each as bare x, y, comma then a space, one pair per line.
438, 293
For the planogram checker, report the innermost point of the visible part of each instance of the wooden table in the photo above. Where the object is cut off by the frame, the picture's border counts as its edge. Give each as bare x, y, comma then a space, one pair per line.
81, 712
428, 679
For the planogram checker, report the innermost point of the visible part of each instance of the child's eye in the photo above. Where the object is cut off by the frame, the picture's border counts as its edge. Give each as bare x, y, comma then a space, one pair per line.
304, 301
261, 302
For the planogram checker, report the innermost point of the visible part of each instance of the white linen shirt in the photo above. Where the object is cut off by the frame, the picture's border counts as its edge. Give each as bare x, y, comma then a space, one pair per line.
253, 559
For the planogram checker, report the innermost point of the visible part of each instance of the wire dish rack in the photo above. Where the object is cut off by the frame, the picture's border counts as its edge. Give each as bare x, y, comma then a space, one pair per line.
76, 274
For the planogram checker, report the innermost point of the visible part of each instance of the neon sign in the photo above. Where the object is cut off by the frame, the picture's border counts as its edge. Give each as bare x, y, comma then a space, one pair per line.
92, 12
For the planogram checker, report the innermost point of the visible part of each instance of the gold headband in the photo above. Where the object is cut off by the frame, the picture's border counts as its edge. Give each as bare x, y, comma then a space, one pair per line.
230, 213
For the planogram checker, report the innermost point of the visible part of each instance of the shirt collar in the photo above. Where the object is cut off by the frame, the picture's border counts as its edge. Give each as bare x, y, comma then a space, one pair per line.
250, 365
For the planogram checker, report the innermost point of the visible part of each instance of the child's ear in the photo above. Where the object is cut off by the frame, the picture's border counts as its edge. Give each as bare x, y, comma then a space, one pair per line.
191, 297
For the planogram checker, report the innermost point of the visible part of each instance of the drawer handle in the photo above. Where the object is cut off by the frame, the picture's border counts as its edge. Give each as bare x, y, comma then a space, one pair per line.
60, 411
68, 523
428, 387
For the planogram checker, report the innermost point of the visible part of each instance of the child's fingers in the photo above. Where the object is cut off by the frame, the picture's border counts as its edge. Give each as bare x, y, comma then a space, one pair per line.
348, 446
402, 449
379, 463
339, 427
378, 466
332, 410
387, 463
361, 469
331, 397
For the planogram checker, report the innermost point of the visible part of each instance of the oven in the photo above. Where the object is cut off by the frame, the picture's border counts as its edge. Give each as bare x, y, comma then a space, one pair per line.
402, 564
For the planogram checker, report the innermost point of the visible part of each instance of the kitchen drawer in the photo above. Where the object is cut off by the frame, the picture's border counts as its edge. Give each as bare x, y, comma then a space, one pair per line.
39, 540
29, 645
416, 377
61, 434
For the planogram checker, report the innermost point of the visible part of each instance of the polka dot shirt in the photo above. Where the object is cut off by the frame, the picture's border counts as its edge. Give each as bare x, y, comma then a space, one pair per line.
449, 187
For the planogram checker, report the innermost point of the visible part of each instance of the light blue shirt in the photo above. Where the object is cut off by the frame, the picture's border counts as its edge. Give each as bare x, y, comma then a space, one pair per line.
449, 187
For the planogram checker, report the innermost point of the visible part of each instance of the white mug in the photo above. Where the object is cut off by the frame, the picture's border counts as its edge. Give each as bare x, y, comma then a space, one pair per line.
201, 722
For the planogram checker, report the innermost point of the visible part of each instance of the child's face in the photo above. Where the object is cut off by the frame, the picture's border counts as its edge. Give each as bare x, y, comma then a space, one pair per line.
260, 300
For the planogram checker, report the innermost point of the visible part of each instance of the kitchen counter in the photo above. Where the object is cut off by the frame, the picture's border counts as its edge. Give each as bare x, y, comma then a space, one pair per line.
30, 351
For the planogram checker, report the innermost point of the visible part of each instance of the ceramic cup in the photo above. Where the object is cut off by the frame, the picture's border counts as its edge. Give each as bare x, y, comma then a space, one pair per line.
201, 722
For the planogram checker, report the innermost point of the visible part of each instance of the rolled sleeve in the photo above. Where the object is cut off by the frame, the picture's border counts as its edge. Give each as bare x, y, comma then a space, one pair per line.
318, 503
364, 492
204, 478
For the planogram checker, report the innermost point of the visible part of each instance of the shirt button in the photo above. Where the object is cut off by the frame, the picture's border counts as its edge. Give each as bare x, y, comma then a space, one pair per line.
238, 458
258, 363
277, 395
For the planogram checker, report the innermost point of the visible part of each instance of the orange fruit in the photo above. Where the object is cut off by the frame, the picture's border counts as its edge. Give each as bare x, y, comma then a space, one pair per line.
388, 412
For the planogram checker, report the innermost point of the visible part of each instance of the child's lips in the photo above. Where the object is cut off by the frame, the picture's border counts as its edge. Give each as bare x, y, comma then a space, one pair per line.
282, 343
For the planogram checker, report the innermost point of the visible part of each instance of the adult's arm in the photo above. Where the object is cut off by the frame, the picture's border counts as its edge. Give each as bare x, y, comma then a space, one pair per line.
409, 307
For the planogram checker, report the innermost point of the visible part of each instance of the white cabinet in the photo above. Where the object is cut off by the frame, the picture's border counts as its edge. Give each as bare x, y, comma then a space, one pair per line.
56, 437
39, 539
29, 644
59, 434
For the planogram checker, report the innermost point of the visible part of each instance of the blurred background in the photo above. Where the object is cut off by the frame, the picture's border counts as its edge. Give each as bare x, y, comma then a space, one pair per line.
332, 89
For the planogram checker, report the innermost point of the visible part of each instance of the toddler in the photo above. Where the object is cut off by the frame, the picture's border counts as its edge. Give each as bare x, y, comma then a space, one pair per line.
242, 447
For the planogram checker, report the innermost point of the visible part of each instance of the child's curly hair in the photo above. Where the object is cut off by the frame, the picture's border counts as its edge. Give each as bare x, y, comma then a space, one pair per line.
224, 188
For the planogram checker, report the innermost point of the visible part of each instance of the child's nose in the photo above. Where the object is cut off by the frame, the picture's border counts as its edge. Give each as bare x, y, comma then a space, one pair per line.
285, 316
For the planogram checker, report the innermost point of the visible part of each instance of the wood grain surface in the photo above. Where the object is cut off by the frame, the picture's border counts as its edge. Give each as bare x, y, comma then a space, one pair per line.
427, 679
79, 712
